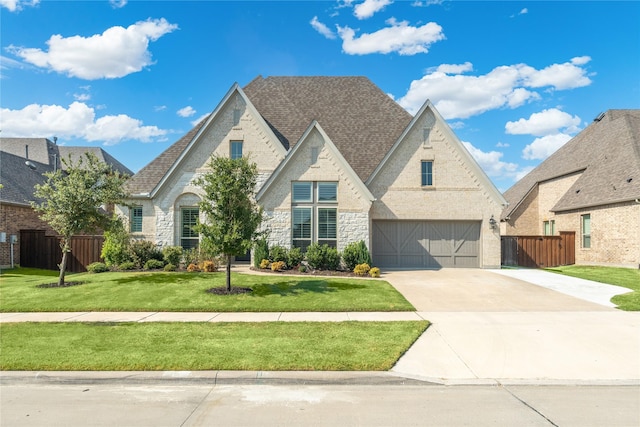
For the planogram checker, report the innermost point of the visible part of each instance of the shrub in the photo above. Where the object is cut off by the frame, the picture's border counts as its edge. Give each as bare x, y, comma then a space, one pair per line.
278, 253
294, 257
322, 257
172, 254
192, 268
264, 263
302, 269
361, 269
190, 256
153, 264
143, 251
374, 272
278, 266
356, 253
170, 267
97, 267
209, 266
116, 247
127, 265
260, 252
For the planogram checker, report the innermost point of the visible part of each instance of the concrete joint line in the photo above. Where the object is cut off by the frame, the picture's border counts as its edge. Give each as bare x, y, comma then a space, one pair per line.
146, 317
529, 406
454, 352
195, 408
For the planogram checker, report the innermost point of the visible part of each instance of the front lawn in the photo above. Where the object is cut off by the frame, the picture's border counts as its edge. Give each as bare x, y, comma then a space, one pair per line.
181, 291
328, 346
625, 277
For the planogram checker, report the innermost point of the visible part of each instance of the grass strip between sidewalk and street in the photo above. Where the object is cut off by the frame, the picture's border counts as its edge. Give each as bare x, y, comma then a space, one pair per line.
187, 292
625, 277
274, 346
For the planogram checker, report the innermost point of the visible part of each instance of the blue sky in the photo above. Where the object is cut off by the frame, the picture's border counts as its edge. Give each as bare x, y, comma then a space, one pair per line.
515, 80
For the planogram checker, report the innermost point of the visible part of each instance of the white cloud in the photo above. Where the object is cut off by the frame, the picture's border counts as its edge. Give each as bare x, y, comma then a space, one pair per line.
543, 147
118, 4
187, 111
398, 37
419, 3
159, 108
368, 8
523, 11
115, 53
322, 29
546, 122
490, 162
76, 121
502, 145
457, 95
82, 97
17, 5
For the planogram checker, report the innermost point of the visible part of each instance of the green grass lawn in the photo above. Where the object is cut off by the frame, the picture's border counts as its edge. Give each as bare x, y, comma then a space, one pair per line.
179, 291
625, 277
325, 346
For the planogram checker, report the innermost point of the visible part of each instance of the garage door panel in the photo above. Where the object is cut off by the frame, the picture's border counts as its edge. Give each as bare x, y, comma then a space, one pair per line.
426, 244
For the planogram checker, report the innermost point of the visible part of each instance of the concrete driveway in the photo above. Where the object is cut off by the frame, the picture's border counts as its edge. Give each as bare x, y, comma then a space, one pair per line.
491, 327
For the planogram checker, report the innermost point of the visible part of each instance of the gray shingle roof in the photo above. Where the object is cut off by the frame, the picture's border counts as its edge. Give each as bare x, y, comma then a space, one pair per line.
18, 179
361, 120
75, 152
608, 153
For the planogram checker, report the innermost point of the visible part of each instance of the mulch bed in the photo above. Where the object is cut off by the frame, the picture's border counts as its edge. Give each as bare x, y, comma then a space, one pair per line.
55, 285
332, 273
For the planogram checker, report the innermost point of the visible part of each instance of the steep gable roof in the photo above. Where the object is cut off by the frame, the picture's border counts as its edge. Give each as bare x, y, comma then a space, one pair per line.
362, 121
103, 156
608, 154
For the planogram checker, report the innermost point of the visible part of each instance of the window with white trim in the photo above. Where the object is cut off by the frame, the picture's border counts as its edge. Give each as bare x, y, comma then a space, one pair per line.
189, 238
549, 227
135, 219
586, 230
314, 209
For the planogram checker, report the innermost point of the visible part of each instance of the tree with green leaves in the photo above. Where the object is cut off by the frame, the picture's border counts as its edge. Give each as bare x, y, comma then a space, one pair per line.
73, 200
232, 217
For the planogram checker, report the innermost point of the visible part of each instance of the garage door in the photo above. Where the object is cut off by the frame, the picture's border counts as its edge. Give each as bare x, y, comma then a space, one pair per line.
426, 244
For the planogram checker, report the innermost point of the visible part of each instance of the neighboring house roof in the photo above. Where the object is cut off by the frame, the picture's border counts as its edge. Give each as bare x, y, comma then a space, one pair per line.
44, 151
362, 121
607, 152
18, 179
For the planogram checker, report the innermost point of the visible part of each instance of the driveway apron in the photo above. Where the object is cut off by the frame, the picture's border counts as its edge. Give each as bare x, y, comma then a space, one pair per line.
491, 327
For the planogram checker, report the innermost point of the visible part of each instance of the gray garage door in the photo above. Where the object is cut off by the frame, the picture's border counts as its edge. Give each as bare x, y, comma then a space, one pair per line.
426, 244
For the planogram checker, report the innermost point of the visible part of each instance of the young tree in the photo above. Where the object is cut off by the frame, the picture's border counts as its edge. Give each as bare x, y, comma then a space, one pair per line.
73, 200
232, 217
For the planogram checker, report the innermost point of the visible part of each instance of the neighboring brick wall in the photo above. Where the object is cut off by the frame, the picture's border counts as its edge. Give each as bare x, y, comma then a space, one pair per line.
14, 218
615, 234
524, 220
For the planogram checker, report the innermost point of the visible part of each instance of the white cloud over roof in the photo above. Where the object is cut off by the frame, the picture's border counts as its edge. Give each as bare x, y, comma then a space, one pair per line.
322, 28
546, 122
458, 95
398, 37
368, 8
76, 121
543, 147
115, 53
16, 5
187, 111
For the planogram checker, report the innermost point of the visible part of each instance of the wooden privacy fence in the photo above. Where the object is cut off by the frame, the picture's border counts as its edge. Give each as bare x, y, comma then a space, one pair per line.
40, 251
539, 251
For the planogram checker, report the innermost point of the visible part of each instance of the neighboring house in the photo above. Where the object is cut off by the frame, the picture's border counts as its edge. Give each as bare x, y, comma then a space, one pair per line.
590, 186
23, 161
339, 161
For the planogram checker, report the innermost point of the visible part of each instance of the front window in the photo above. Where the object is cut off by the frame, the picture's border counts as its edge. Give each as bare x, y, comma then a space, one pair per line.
236, 149
135, 223
315, 213
586, 231
427, 173
188, 236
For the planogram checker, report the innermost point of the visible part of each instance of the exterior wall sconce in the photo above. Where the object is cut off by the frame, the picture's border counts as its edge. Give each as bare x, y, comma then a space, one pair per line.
493, 223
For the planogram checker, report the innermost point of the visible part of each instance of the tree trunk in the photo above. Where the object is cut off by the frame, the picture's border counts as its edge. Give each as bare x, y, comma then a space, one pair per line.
228, 273
63, 264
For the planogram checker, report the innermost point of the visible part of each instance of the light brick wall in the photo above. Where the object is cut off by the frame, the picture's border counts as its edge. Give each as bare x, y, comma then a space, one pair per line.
524, 220
14, 218
615, 234
456, 194
353, 207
